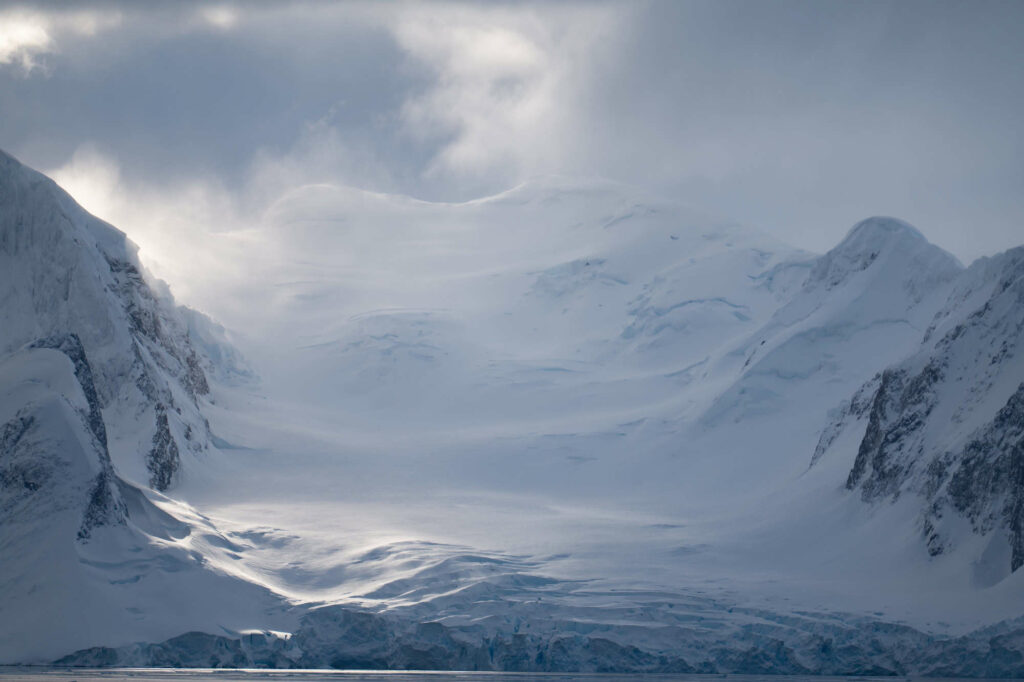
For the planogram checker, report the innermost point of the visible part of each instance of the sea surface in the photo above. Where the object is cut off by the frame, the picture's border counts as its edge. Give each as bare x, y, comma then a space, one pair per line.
34, 674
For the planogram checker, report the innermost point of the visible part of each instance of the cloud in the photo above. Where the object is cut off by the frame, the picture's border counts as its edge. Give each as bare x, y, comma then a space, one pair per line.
94, 180
221, 17
321, 153
798, 117
176, 227
26, 35
198, 234
503, 80
23, 37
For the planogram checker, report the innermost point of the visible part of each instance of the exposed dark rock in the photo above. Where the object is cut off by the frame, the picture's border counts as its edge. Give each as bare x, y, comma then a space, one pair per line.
988, 484
71, 345
105, 507
195, 379
163, 458
22, 474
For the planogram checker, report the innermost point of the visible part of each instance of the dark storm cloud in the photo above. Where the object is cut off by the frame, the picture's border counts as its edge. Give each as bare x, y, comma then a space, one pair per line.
170, 98
799, 117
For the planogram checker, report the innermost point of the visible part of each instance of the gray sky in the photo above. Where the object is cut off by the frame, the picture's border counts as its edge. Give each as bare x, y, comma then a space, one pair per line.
796, 117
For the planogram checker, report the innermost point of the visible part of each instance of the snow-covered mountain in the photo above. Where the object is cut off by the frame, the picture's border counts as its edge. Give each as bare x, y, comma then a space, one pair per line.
567, 427
66, 273
946, 425
101, 398
861, 306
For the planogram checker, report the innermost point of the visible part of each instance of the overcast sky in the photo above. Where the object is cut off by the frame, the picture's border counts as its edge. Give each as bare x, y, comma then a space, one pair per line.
799, 118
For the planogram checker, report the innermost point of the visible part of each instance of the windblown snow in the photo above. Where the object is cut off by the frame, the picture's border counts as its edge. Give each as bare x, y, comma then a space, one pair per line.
568, 427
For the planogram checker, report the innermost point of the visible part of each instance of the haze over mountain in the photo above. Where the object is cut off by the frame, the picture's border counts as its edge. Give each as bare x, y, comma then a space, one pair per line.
571, 426
175, 119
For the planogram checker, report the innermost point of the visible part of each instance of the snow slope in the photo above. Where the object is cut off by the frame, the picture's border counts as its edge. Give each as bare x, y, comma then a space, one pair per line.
598, 380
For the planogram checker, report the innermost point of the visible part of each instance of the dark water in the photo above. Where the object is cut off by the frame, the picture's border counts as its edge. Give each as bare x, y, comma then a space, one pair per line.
223, 675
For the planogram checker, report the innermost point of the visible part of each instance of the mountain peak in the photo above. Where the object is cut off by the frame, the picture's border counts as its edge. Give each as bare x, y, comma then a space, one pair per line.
880, 231
891, 238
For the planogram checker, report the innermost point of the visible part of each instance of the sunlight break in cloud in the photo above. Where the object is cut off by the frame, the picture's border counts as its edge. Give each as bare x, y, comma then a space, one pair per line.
26, 35
504, 83
221, 17
174, 227
22, 38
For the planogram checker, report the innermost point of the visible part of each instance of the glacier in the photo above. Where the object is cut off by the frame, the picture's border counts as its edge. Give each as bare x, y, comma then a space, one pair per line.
570, 427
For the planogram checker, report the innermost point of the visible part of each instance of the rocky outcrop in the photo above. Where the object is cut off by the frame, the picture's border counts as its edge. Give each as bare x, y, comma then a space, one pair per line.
900, 408
985, 483
163, 459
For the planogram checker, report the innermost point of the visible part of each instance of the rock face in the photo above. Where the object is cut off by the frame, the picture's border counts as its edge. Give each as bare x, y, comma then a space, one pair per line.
988, 485
54, 455
947, 424
105, 506
72, 282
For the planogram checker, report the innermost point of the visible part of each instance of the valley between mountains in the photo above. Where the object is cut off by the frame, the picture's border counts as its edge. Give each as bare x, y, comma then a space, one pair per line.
569, 427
